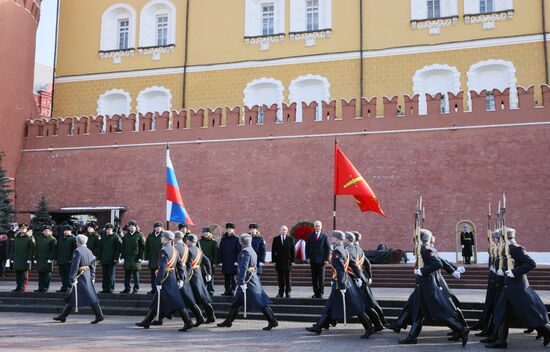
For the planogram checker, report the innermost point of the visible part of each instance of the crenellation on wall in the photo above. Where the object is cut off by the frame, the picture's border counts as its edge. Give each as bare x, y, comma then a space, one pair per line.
526, 97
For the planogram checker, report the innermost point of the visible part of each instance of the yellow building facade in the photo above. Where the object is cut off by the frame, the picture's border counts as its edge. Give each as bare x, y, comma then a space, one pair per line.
133, 55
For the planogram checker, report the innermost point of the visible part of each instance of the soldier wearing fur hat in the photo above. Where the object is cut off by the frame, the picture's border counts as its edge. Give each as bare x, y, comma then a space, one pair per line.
82, 278
250, 293
209, 247
196, 262
152, 248
44, 257
133, 246
23, 250
258, 244
108, 253
66, 244
168, 280
345, 299
229, 252
93, 237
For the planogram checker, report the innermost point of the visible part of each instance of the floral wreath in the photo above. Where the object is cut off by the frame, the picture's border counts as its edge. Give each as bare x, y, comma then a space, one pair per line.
299, 233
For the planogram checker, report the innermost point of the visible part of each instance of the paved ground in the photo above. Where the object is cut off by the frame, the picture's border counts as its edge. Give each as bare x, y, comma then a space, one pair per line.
37, 332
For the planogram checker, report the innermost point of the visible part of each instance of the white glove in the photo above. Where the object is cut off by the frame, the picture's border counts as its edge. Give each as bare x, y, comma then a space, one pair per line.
121, 261
208, 278
359, 282
221, 264
418, 272
456, 274
492, 269
343, 291
93, 281
140, 261
159, 287
461, 269
243, 287
34, 261
50, 261
29, 262
370, 281
74, 283
144, 262
500, 272
180, 283
236, 264
262, 264
509, 273
462, 246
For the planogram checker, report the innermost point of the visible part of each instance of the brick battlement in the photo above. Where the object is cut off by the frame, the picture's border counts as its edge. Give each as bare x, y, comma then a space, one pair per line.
31, 6
238, 122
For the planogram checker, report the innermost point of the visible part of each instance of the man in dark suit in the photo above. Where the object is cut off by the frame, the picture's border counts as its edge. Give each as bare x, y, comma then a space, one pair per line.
282, 253
317, 253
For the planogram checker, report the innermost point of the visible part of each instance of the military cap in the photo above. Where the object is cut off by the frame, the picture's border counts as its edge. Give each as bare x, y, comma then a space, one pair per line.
92, 224
182, 226
510, 233
229, 225
253, 226
168, 234
425, 235
157, 224
357, 235
350, 236
178, 234
132, 222
67, 227
338, 234
46, 227
245, 239
191, 237
23, 226
109, 226
206, 229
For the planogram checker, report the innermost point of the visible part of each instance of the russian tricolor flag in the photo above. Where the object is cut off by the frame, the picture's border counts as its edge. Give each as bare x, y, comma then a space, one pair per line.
175, 208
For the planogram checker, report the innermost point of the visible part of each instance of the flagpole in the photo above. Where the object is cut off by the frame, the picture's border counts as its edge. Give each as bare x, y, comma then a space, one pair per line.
334, 196
167, 221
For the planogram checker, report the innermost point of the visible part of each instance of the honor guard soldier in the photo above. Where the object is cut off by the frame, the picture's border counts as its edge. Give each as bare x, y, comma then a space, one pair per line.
133, 245
186, 290
82, 278
429, 300
169, 278
518, 297
152, 249
258, 244
196, 261
467, 242
229, 252
23, 250
184, 228
44, 257
108, 254
66, 244
209, 248
345, 300
93, 237
250, 293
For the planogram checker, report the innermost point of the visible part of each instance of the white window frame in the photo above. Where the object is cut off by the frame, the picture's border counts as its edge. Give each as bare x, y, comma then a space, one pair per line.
473, 7
293, 93
267, 15
249, 99
433, 11
486, 6
109, 38
420, 88
312, 15
148, 35
123, 31
253, 17
298, 15
162, 28
511, 80
447, 8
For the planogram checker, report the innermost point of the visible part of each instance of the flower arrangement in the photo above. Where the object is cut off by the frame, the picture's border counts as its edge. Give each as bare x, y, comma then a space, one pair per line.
299, 233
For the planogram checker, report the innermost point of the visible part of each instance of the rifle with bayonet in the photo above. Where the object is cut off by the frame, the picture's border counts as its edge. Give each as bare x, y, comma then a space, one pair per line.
509, 261
490, 239
418, 222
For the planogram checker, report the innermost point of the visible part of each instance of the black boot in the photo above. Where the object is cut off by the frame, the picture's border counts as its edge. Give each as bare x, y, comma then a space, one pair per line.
187, 323
210, 316
545, 332
367, 325
198, 315
380, 313
375, 319
158, 322
270, 317
228, 322
64, 314
318, 327
98, 313
400, 323
411, 338
460, 330
145, 323
483, 333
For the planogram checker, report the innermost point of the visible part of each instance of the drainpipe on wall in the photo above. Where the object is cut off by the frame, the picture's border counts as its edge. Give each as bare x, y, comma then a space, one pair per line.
361, 55
55, 56
186, 56
544, 41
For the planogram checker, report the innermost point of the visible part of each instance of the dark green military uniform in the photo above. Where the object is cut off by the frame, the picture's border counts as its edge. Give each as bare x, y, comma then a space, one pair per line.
23, 250
108, 252
93, 241
44, 256
209, 248
153, 246
133, 245
65, 248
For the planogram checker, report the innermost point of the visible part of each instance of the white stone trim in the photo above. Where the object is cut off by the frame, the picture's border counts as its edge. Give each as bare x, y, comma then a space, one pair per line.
419, 9
293, 92
252, 17
101, 101
298, 19
147, 22
473, 83
418, 84
109, 34
140, 98
481, 43
247, 93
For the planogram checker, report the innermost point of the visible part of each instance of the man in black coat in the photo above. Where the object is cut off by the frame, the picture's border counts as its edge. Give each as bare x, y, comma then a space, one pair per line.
317, 254
229, 252
467, 242
283, 255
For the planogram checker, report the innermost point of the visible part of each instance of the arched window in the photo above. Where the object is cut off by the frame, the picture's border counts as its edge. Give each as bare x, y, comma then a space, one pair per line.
306, 89
435, 79
266, 91
310, 15
493, 74
118, 28
264, 17
157, 24
154, 99
115, 101
430, 9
